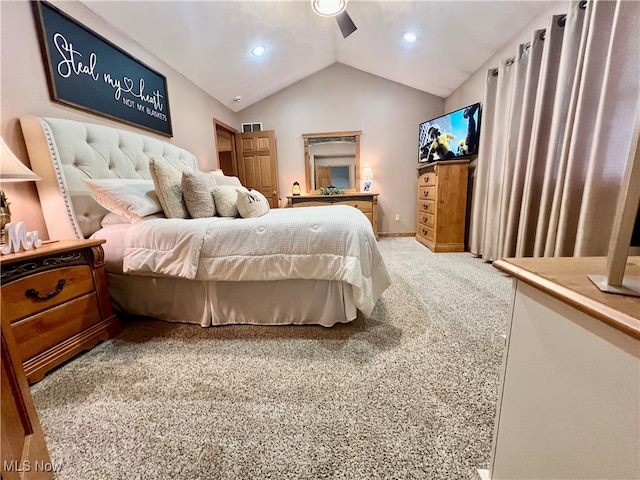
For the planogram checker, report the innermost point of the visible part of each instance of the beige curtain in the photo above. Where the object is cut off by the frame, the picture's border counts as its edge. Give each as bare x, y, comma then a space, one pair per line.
556, 131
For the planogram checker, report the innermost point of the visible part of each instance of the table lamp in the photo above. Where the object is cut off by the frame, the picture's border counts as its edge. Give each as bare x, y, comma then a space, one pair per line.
11, 170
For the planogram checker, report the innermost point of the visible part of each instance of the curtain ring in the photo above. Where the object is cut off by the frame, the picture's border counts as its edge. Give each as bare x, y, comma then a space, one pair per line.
543, 35
494, 72
510, 61
562, 21
526, 47
583, 5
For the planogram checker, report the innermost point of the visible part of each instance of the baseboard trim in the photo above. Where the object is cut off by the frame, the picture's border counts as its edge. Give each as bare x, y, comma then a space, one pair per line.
398, 234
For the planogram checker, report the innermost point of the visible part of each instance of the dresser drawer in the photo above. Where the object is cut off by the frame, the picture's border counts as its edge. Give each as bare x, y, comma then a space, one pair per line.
310, 204
427, 193
426, 206
40, 332
427, 179
426, 232
45, 290
362, 205
426, 219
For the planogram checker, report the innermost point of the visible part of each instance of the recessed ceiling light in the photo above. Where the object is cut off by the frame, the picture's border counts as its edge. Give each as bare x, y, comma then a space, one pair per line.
328, 8
410, 37
259, 50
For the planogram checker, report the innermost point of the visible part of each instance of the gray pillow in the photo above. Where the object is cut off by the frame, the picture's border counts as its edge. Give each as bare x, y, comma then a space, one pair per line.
197, 190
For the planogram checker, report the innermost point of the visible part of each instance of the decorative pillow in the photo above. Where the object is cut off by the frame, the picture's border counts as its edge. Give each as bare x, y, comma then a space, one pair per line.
131, 199
168, 181
197, 190
113, 219
252, 203
225, 180
226, 198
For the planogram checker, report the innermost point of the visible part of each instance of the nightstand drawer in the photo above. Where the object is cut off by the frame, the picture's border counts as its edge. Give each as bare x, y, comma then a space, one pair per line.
40, 332
45, 290
363, 206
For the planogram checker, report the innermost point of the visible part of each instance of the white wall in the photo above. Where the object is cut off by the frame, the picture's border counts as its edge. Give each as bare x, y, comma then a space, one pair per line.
472, 90
343, 98
24, 91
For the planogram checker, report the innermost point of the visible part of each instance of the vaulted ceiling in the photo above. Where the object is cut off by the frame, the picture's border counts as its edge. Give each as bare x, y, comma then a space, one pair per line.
210, 42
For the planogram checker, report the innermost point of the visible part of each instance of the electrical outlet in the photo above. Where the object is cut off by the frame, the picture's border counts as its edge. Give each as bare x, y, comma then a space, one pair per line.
397, 217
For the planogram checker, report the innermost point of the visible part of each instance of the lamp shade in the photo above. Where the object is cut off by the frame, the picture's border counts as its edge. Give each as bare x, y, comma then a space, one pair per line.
295, 189
367, 173
12, 169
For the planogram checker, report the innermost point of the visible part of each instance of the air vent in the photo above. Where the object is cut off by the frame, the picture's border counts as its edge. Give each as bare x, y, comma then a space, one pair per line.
252, 127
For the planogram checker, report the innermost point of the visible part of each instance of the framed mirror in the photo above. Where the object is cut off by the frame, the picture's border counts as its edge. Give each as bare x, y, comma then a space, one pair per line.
332, 158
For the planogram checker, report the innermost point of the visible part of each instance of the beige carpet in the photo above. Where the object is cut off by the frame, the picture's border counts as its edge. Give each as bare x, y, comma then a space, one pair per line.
409, 393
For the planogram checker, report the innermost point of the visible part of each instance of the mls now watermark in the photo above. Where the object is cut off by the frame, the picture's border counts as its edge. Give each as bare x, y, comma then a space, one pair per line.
29, 466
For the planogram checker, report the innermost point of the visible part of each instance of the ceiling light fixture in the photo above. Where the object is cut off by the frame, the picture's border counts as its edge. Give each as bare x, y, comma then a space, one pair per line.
259, 50
328, 8
410, 37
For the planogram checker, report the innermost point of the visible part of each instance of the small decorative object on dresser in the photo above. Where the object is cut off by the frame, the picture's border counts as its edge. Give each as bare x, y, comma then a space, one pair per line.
57, 302
367, 203
442, 205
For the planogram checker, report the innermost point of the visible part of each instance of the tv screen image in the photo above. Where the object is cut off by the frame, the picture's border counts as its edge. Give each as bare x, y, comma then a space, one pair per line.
454, 135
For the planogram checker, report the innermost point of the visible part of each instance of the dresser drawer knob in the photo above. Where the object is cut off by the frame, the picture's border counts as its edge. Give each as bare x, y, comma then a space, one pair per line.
426, 193
32, 292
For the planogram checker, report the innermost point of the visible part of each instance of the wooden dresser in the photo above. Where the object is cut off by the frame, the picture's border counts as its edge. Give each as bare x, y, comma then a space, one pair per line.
442, 205
56, 300
367, 203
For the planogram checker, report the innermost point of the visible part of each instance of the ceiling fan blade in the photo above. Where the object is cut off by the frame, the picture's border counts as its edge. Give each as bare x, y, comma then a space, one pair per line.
347, 27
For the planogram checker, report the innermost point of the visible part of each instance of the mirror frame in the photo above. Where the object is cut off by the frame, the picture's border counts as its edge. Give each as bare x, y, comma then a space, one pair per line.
337, 136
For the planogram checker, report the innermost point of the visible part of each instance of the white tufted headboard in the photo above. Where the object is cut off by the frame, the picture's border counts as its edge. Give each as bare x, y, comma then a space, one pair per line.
63, 152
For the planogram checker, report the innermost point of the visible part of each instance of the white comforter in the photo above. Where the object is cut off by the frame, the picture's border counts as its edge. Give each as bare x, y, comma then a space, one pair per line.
326, 243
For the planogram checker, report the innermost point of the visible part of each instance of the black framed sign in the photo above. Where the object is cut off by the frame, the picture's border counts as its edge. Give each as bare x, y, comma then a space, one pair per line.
86, 71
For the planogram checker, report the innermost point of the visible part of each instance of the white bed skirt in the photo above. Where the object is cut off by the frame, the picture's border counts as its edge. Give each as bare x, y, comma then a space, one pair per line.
320, 302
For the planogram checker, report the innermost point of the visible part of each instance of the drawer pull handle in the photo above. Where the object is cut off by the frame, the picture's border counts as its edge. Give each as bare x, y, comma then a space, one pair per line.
32, 292
426, 194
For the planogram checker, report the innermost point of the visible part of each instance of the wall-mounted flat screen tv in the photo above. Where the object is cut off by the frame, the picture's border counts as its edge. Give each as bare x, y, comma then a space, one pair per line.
454, 135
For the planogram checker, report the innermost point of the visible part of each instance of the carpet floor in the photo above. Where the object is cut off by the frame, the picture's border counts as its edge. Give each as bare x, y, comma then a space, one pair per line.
409, 393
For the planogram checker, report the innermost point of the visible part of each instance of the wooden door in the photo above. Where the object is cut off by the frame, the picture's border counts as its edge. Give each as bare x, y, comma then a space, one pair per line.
226, 148
323, 176
23, 449
258, 163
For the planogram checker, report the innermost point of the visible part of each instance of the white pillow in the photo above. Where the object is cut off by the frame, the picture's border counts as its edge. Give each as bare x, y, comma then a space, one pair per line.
168, 181
226, 198
131, 199
197, 191
113, 219
227, 180
251, 204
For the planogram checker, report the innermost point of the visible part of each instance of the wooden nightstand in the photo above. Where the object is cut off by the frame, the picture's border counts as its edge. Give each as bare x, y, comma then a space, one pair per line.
367, 203
56, 300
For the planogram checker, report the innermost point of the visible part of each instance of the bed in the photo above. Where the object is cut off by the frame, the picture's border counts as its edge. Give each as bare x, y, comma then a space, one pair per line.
315, 265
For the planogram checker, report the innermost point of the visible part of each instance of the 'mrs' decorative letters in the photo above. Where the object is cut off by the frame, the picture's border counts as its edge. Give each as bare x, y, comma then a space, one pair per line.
18, 238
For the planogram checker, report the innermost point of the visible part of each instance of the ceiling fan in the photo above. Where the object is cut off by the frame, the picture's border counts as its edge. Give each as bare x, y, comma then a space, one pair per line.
338, 9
